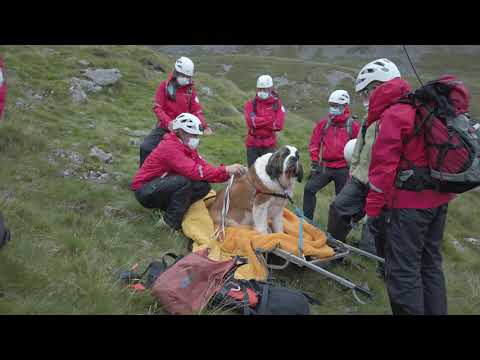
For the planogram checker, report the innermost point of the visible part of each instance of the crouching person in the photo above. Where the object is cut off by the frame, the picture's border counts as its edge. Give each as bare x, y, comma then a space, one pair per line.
175, 176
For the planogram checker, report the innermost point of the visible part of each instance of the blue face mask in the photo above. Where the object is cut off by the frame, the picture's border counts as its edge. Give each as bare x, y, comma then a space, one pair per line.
335, 110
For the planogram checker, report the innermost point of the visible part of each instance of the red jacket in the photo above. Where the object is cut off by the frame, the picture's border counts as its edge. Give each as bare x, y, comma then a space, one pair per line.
186, 100
334, 140
3, 87
263, 124
172, 157
396, 123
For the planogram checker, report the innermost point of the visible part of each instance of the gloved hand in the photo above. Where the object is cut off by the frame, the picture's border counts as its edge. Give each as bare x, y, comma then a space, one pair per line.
315, 167
374, 224
208, 131
236, 169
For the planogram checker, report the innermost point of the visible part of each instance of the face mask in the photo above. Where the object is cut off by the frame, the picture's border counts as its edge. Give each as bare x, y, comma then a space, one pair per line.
182, 81
335, 110
193, 143
263, 94
365, 104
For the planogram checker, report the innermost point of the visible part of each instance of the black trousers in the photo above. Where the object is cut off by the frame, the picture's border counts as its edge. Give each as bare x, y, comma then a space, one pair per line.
150, 143
348, 205
4, 232
413, 261
253, 153
174, 195
317, 180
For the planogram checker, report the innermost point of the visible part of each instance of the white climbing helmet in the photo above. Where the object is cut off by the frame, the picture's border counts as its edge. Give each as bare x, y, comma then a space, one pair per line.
348, 150
188, 123
377, 70
339, 97
264, 81
184, 66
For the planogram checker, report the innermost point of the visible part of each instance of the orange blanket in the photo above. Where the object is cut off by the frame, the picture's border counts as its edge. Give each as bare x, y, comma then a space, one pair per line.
198, 226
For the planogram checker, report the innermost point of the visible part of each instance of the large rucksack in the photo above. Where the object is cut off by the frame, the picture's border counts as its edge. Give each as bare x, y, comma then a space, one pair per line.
452, 139
348, 125
250, 297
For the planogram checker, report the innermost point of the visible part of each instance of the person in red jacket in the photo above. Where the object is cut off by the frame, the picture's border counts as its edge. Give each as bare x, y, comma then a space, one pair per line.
174, 96
414, 219
3, 87
174, 176
264, 115
327, 142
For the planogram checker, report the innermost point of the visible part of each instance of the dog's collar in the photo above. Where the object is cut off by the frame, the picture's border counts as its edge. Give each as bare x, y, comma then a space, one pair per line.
258, 191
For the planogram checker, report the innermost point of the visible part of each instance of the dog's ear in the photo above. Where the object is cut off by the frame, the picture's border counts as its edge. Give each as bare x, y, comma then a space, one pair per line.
299, 171
275, 165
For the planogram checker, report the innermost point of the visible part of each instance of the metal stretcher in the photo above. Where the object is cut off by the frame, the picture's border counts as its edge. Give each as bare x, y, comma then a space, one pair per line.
341, 251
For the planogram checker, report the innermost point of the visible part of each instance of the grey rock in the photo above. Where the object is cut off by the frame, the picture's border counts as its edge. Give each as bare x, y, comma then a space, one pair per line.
472, 241
458, 246
103, 77
117, 175
111, 211
87, 86
91, 126
138, 133
84, 62
100, 154
8, 196
75, 157
77, 94
34, 96
151, 64
280, 81
22, 105
103, 178
207, 91
226, 67
336, 77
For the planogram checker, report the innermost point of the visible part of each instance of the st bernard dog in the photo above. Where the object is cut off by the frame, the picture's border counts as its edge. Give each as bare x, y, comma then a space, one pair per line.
262, 193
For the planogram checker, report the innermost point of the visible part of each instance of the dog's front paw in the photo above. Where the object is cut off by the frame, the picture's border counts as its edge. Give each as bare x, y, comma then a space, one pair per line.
264, 231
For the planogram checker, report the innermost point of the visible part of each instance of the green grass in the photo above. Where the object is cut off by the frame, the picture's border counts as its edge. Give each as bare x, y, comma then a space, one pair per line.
65, 251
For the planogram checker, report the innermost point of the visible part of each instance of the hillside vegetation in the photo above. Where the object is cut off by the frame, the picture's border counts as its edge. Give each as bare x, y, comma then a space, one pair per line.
70, 235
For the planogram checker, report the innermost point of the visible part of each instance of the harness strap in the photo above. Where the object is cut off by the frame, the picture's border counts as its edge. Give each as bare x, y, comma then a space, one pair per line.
283, 196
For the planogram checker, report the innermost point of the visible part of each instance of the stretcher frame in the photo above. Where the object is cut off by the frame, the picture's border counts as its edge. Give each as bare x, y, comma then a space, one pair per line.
341, 249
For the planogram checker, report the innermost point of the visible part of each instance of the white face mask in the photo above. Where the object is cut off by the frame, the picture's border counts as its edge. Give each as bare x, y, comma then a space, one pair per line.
182, 81
335, 110
365, 104
193, 143
263, 95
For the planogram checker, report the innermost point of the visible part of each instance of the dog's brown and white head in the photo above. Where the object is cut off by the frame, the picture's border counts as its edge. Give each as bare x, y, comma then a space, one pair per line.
282, 166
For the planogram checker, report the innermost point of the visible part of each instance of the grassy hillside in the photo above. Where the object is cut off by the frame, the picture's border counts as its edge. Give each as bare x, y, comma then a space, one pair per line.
68, 242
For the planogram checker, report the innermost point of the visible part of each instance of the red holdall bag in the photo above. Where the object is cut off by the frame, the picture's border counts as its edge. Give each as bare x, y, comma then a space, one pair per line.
186, 287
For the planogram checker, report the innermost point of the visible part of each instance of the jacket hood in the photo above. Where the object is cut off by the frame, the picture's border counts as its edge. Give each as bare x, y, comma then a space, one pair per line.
342, 117
384, 96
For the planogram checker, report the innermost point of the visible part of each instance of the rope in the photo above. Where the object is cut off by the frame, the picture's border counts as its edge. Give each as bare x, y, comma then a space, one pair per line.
299, 214
226, 206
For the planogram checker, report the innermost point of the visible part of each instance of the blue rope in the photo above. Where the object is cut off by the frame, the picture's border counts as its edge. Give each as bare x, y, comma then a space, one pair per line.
299, 214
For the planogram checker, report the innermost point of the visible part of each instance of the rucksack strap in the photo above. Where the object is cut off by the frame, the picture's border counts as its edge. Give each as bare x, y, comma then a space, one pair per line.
262, 309
275, 105
349, 125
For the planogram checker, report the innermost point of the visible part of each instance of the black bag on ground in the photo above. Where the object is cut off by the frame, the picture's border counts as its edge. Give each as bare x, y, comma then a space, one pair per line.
4, 232
262, 298
153, 271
